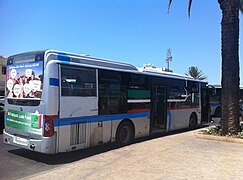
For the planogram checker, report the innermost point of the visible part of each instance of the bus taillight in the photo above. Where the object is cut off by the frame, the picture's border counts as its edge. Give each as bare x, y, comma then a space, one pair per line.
49, 125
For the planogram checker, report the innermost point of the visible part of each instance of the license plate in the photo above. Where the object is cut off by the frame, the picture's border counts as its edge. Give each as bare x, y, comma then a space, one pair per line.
21, 140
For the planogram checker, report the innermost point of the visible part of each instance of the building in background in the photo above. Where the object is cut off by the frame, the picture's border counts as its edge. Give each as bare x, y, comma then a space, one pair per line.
3, 62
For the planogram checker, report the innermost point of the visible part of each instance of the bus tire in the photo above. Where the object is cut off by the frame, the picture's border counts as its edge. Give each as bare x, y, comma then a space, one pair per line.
125, 133
217, 112
193, 120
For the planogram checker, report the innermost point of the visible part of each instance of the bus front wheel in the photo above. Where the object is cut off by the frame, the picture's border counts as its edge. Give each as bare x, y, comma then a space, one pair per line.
217, 112
193, 121
125, 133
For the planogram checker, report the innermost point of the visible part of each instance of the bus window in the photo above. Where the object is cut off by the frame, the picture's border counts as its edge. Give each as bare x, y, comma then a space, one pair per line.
139, 94
78, 81
177, 92
138, 99
112, 93
193, 93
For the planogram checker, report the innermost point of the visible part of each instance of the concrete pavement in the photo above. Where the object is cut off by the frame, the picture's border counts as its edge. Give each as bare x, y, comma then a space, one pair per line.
178, 156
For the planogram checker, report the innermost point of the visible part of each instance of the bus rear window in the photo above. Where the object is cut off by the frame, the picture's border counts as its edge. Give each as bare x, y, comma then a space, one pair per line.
24, 80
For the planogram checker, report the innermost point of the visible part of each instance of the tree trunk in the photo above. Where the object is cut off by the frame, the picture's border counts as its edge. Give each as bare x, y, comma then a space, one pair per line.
230, 66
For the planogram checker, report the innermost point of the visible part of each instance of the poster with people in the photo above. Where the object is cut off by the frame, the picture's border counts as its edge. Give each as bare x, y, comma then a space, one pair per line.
25, 80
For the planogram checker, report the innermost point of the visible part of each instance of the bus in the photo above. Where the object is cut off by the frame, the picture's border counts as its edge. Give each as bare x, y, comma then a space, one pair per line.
215, 100
59, 102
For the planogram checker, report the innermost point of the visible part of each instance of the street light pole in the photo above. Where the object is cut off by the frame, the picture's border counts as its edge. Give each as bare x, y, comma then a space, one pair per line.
168, 58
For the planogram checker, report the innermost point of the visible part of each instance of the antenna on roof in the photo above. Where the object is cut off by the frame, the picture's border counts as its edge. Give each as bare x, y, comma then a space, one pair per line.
168, 58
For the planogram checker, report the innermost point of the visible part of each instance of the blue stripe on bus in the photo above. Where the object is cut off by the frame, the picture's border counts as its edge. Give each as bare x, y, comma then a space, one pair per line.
215, 105
54, 82
63, 57
169, 119
65, 62
69, 121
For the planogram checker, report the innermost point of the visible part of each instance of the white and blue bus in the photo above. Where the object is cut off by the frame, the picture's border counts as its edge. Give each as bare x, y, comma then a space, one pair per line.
215, 100
60, 102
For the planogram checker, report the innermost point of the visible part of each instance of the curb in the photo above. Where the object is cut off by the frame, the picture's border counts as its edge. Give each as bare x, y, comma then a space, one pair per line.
219, 138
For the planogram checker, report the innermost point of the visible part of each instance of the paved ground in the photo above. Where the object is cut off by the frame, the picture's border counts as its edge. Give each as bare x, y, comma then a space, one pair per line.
179, 156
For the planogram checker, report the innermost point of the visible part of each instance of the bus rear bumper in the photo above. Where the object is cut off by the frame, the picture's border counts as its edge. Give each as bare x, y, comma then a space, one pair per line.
45, 145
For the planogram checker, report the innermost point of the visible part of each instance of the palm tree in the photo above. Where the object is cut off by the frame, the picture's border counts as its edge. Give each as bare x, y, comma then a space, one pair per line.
195, 73
230, 64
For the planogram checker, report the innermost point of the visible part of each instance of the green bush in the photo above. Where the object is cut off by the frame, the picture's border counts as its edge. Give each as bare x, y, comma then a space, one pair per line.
217, 131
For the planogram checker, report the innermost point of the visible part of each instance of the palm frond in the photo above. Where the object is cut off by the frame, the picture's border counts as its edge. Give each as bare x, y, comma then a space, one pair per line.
170, 1
196, 73
189, 7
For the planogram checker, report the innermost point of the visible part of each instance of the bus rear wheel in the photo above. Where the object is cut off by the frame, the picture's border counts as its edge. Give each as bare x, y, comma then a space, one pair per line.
125, 133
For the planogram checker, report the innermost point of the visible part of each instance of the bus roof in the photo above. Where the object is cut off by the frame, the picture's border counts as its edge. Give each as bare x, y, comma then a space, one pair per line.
165, 73
110, 64
105, 63
218, 86
86, 59
30, 52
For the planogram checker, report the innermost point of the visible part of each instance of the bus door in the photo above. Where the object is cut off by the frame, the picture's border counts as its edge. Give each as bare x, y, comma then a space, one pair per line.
158, 108
78, 106
205, 104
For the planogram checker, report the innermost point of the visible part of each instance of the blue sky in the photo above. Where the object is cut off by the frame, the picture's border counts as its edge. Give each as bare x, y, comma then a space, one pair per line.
133, 31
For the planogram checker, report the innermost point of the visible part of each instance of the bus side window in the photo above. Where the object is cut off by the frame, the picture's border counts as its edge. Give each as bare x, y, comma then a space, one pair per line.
112, 93
177, 93
78, 81
193, 93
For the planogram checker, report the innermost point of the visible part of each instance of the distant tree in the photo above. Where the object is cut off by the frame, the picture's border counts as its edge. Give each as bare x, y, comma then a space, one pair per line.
196, 73
230, 64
